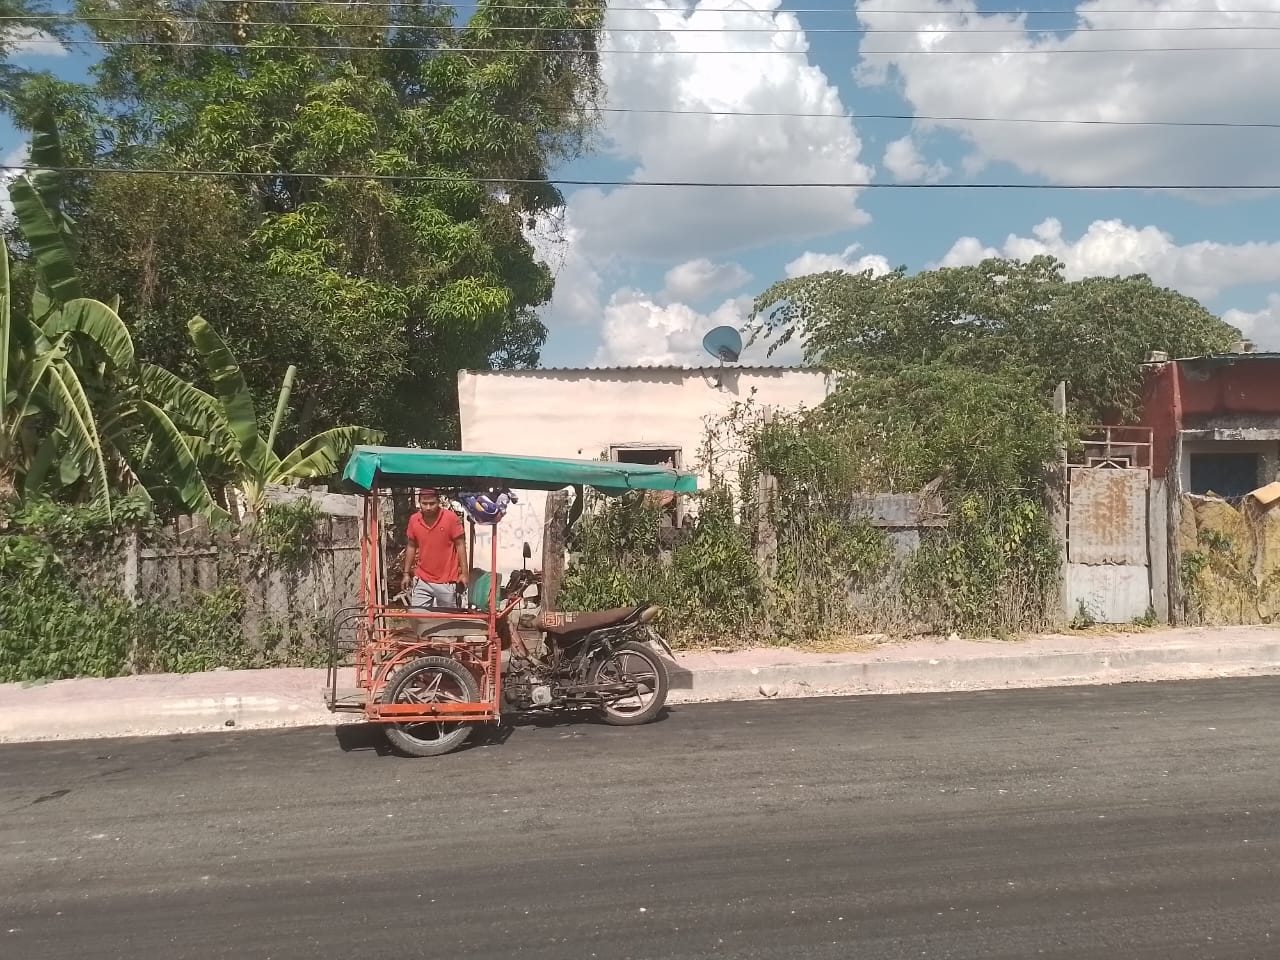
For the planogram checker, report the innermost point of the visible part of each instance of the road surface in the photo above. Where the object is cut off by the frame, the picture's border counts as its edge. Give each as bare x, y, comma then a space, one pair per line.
1128, 822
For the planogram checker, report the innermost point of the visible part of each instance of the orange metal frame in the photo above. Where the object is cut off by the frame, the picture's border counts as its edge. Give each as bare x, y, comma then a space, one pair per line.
386, 638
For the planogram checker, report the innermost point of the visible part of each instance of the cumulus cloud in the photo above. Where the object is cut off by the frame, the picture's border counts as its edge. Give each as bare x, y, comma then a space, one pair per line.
904, 162
603, 234
577, 298
1026, 74
733, 76
640, 331
1262, 326
846, 260
32, 42
14, 158
1201, 269
696, 279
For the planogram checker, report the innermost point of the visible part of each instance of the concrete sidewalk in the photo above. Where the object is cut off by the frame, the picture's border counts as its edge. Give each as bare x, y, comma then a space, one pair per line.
255, 699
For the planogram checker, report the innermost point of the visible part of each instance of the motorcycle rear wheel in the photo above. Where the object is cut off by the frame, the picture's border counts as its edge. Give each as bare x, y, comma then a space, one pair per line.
642, 708
429, 680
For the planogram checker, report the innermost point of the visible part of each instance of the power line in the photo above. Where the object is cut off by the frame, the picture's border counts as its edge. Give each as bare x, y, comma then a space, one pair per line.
856, 31
1038, 11
252, 45
574, 182
1227, 124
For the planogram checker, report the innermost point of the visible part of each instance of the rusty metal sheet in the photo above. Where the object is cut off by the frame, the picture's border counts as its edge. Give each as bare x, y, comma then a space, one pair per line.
1107, 522
1109, 592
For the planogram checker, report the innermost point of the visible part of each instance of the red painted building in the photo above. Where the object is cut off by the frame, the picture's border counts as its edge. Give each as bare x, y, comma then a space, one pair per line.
1209, 425
1215, 422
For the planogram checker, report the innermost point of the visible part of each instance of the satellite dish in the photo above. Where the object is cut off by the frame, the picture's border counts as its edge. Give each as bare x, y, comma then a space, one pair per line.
723, 343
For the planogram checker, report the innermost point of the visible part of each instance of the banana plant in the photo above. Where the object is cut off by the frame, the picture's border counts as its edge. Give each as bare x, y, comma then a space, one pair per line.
69, 404
222, 427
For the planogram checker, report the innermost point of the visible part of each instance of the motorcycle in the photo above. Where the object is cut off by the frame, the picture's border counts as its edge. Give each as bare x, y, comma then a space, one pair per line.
602, 660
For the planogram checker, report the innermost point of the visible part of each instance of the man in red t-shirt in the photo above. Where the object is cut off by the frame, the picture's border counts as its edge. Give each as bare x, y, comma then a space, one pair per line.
435, 556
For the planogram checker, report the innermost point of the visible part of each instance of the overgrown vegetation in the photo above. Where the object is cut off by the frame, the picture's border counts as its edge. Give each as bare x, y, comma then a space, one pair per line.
285, 533
943, 386
64, 614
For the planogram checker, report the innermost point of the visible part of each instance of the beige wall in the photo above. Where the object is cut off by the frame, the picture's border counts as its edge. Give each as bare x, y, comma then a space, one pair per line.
580, 414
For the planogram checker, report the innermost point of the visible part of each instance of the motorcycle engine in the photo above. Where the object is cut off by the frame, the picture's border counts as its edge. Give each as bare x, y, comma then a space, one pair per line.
522, 688
541, 694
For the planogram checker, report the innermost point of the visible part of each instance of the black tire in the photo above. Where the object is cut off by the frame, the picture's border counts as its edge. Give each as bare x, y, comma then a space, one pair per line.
449, 735
661, 685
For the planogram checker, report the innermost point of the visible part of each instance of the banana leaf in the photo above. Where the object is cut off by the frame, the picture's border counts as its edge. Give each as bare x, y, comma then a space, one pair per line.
4, 331
188, 405
237, 403
321, 455
55, 261
175, 460
98, 322
75, 414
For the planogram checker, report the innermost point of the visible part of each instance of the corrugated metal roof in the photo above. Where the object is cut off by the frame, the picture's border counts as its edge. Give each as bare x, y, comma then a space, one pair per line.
656, 368
1217, 356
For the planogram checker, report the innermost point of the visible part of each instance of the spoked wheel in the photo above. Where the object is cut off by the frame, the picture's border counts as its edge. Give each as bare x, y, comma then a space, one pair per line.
632, 663
424, 681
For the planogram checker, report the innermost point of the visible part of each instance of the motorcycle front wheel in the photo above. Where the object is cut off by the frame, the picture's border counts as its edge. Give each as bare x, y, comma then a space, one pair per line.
637, 663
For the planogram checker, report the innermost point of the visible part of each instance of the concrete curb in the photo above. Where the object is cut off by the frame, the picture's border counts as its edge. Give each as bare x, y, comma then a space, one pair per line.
997, 672
267, 699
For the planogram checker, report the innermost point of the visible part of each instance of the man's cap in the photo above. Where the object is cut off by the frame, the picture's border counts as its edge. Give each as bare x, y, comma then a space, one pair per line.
427, 492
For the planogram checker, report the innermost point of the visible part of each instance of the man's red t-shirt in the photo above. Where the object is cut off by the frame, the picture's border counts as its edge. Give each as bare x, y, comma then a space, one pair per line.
437, 560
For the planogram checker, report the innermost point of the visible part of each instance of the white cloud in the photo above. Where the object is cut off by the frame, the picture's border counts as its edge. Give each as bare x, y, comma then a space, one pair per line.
696, 279
1202, 269
576, 298
903, 160
32, 42
846, 260
638, 330
1009, 81
605, 233
657, 223
965, 252
1262, 326
14, 158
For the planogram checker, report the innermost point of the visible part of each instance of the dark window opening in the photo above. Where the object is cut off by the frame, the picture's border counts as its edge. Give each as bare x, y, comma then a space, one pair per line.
1228, 475
670, 513
648, 456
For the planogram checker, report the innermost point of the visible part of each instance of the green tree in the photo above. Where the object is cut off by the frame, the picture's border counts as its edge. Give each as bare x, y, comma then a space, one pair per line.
1004, 317
381, 286
27, 25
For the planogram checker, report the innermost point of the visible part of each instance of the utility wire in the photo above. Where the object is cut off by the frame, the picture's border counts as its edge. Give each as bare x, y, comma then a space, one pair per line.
573, 182
252, 45
1227, 124
857, 31
1038, 11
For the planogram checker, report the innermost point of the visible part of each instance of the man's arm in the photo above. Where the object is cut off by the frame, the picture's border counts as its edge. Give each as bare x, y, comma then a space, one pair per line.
410, 557
460, 546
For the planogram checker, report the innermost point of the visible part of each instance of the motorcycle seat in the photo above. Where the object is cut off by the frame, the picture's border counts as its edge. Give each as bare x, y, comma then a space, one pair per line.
563, 622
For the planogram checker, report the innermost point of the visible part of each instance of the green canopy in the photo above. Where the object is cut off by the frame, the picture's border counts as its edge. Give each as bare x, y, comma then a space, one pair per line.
371, 467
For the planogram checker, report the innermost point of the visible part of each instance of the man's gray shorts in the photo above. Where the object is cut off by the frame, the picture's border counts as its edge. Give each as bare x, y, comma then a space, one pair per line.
433, 594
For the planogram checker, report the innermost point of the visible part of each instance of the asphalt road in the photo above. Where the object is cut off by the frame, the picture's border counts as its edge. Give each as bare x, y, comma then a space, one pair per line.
1126, 822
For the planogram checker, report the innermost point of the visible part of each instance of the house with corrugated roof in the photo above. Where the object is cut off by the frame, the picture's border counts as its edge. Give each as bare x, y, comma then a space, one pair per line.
655, 414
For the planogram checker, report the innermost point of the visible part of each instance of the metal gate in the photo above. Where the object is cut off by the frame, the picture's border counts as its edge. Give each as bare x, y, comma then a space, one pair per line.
1108, 562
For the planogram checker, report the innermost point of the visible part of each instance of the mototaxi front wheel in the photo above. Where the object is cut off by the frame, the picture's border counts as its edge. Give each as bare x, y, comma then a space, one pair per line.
429, 680
632, 663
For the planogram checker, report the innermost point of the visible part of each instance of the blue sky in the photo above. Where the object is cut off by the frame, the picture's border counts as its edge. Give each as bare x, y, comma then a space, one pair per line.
1198, 244
643, 272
